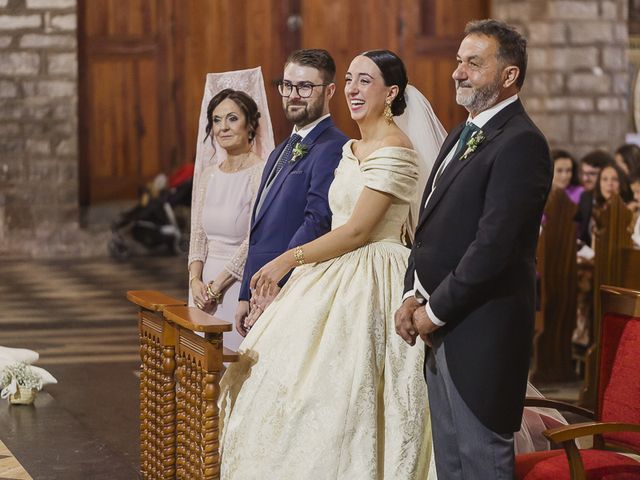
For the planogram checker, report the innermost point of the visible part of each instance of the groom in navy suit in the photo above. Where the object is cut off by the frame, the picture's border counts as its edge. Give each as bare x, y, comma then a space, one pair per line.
292, 206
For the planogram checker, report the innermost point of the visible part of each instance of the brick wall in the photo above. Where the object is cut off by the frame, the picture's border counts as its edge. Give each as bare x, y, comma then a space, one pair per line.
576, 88
38, 126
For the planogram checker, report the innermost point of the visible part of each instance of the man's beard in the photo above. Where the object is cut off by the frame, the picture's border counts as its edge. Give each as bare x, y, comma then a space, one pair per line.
480, 99
312, 111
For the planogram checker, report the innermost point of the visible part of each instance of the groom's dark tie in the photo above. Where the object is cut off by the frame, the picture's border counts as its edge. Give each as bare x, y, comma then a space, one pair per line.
286, 155
467, 132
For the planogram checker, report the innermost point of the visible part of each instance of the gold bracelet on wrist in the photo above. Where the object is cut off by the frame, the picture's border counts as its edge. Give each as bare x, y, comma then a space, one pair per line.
192, 278
298, 254
213, 294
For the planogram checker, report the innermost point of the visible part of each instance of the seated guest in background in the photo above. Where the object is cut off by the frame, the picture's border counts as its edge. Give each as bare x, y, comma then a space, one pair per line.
635, 207
225, 186
565, 174
634, 184
611, 181
627, 157
590, 167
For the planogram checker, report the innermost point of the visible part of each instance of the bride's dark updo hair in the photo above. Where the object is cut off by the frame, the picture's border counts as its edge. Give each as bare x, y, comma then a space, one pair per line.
242, 100
393, 73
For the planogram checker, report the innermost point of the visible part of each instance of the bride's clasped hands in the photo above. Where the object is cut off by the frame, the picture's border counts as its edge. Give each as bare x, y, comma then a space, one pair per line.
265, 281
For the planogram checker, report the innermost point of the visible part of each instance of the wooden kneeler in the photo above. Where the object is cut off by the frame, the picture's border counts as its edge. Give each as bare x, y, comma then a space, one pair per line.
199, 368
179, 387
157, 385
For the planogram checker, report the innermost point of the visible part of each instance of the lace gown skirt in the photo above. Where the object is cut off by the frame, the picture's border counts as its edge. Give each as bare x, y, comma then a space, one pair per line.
325, 388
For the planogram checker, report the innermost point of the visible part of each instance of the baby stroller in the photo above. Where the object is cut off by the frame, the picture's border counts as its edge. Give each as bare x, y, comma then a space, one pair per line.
159, 223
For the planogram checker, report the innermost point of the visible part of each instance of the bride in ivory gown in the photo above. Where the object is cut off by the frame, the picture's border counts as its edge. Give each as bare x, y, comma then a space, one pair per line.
324, 388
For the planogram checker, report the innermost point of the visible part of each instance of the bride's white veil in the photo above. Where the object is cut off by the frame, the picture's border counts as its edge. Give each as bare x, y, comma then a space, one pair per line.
249, 81
421, 125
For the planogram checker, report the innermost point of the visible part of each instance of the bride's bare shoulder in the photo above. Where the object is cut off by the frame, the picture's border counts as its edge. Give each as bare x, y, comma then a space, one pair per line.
397, 139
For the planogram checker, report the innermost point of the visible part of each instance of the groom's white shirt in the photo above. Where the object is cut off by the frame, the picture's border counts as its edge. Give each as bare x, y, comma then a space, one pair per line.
479, 121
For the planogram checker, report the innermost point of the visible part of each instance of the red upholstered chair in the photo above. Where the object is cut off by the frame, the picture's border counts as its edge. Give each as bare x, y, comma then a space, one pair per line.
617, 415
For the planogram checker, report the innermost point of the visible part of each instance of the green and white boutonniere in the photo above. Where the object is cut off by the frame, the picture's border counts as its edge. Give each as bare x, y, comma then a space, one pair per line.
473, 143
299, 151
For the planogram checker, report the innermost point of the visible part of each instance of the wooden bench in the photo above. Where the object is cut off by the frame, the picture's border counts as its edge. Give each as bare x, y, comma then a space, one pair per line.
556, 264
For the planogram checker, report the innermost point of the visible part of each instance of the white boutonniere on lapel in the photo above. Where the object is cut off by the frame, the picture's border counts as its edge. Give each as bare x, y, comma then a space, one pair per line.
473, 143
299, 151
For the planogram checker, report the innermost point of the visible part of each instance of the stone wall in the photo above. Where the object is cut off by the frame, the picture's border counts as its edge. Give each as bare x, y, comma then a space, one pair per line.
38, 125
577, 85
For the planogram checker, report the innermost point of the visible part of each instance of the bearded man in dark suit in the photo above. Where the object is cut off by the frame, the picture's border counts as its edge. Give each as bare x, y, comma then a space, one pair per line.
470, 284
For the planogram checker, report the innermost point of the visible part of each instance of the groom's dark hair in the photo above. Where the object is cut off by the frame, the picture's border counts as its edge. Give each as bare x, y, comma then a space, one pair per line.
512, 47
317, 58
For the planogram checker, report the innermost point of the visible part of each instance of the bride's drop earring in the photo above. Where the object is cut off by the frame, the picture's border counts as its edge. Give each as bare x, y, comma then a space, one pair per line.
387, 114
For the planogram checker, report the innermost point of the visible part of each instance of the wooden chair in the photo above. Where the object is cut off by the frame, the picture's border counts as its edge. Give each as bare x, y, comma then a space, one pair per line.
617, 413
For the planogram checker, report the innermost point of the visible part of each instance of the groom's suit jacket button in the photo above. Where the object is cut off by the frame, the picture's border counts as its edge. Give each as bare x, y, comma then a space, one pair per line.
418, 244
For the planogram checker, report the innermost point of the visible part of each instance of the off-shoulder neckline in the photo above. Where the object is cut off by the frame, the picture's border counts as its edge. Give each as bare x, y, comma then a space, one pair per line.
350, 142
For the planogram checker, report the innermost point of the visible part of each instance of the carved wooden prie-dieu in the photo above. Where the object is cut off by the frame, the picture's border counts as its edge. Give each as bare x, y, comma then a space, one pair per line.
179, 386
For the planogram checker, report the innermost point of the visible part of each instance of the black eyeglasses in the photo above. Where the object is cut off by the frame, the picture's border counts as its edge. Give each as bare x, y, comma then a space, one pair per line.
304, 89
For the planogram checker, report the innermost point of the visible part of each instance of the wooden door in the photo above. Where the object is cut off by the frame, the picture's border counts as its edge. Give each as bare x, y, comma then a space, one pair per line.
142, 72
424, 33
431, 36
346, 29
123, 88
221, 35
143, 66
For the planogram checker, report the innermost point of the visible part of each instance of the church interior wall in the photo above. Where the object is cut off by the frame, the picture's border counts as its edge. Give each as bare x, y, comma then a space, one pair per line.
579, 90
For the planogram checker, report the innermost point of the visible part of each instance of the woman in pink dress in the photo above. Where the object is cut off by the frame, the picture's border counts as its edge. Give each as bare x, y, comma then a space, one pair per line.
225, 185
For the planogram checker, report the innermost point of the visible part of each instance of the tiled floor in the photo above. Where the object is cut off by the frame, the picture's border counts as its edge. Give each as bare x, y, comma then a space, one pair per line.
10, 468
75, 314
